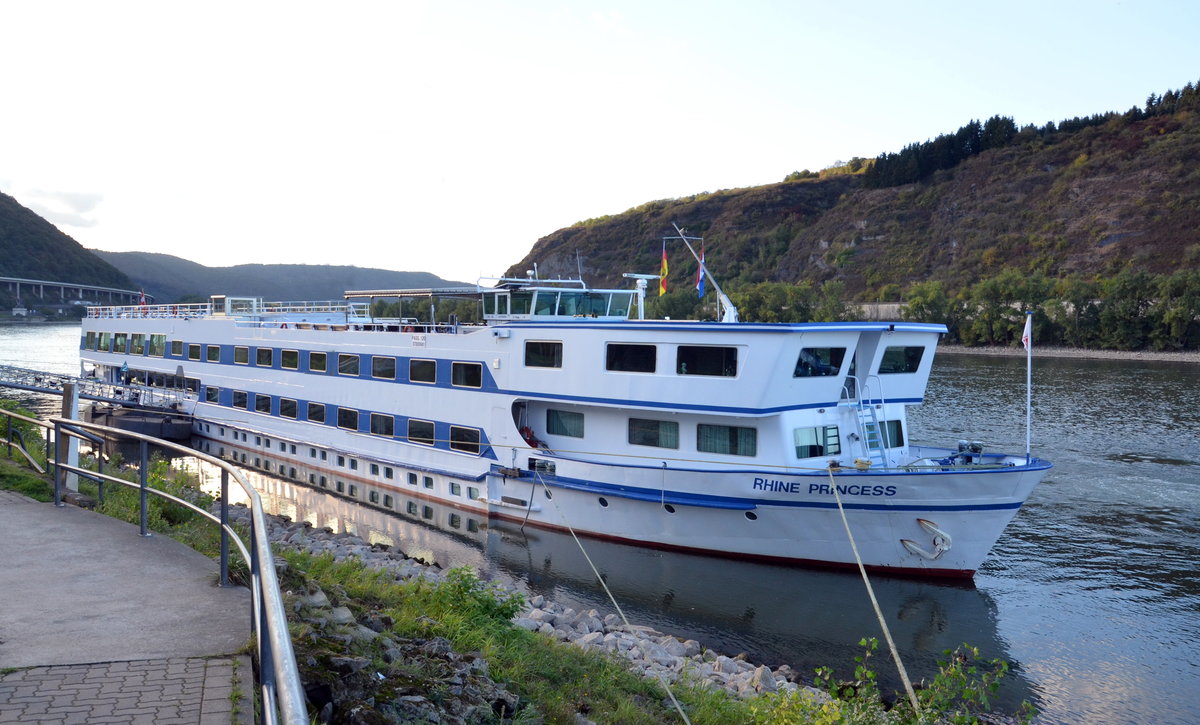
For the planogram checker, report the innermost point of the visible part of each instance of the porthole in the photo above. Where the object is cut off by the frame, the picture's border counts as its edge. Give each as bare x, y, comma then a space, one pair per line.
752, 516
669, 508
604, 502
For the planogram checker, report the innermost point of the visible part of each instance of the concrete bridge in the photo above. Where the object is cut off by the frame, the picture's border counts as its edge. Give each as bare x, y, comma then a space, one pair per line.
65, 293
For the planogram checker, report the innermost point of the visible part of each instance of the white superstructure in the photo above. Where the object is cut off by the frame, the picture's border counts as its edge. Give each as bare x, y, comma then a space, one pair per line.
560, 407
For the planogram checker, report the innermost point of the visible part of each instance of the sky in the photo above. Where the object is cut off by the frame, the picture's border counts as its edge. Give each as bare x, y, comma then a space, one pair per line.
450, 136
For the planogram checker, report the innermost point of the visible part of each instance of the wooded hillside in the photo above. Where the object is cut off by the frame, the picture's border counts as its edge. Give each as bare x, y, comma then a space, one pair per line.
33, 248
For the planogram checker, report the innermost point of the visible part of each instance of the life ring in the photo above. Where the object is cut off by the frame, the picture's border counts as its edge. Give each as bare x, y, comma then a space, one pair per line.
529, 436
409, 328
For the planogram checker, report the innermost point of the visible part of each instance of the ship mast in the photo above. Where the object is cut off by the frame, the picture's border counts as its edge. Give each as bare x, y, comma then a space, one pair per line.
729, 312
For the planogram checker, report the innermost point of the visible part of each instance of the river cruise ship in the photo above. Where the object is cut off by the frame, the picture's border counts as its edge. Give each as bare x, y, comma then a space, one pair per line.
556, 405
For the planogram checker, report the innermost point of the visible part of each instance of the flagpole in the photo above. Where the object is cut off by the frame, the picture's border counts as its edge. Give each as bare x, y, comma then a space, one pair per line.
1027, 339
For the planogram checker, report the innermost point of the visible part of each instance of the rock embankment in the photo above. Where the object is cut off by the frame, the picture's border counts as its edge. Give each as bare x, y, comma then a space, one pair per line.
649, 652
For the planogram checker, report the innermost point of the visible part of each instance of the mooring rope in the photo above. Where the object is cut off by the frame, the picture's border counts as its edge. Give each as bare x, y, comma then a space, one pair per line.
887, 633
662, 680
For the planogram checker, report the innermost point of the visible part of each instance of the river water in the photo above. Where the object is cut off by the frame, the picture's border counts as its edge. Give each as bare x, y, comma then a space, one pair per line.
1093, 593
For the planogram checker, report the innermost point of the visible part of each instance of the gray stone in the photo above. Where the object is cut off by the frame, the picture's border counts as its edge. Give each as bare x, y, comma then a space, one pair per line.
763, 680
526, 623
341, 615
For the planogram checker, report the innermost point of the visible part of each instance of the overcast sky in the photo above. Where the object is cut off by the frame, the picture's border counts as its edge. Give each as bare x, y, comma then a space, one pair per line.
449, 136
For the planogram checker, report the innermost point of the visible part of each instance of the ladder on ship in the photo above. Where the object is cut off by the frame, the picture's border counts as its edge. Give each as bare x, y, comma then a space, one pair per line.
872, 435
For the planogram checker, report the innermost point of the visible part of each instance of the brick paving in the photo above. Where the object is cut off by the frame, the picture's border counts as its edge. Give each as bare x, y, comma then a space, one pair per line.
178, 691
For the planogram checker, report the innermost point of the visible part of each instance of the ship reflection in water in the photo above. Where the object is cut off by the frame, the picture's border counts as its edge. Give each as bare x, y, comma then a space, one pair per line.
776, 614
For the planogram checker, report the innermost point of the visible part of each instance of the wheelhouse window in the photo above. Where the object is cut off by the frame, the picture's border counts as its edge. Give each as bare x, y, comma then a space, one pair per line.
726, 439
697, 360
289, 359
241, 355
383, 425
264, 357
317, 362
214, 353
262, 404
158, 345
815, 362
347, 418
466, 374
906, 359
625, 358
420, 431
564, 423
239, 399
137, 344
193, 351
543, 354
316, 413
287, 408
119, 341
422, 371
657, 433
464, 439
822, 440
383, 367
347, 364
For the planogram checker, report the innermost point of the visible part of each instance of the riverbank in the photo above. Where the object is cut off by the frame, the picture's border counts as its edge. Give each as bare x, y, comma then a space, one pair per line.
1186, 356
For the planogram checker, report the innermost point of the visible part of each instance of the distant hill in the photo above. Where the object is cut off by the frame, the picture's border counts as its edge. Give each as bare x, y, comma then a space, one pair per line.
1086, 198
172, 279
33, 248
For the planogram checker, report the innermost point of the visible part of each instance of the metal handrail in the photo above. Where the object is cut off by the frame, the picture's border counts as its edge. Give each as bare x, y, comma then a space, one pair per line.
283, 698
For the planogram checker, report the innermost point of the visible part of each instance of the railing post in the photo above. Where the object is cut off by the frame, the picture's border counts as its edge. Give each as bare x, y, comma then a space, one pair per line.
57, 471
224, 527
143, 452
100, 470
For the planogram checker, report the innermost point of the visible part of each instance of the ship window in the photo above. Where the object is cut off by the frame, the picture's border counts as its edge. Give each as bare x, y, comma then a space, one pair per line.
427, 512
89, 342
193, 351
822, 440
137, 344
264, 357
239, 399
289, 359
158, 344
353, 491
545, 302
472, 493
387, 501
382, 425
657, 433
214, 353
893, 431
212, 395
455, 488
373, 496
427, 481
341, 486
106, 341
819, 361
347, 418
564, 423
466, 374
316, 362
696, 360
412, 478
420, 431
383, 367
119, 340
455, 521
388, 473
726, 439
177, 348
905, 359
631, 358
287, 408
316, 414
422, 371
262, 403
543, 354
411, 507
192, 384
520, 303
241, 355
347, 364
464, 439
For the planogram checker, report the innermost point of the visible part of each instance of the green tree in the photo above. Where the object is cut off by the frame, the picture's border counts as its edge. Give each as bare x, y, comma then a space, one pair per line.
1125, 320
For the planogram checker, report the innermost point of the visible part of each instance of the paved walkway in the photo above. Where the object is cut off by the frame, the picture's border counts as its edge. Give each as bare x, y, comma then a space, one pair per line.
100, 625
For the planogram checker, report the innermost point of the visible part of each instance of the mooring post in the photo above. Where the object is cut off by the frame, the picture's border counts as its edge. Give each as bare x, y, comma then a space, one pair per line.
69, 444
144, 454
